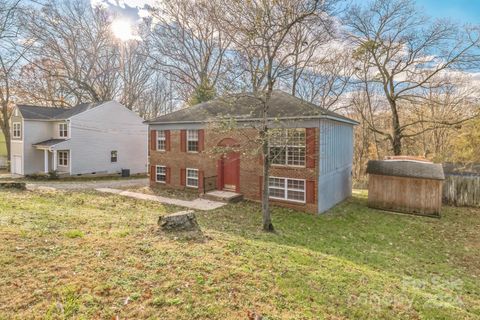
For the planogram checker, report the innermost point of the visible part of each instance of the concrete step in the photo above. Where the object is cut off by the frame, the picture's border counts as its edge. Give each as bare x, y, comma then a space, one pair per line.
223, 196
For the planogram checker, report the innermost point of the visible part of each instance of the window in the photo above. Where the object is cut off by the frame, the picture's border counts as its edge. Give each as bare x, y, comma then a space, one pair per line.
192, 140
161, 174
113, 156
287, 189
63, 158
17, 130
161, 140
63, 130
192, 178
287, 147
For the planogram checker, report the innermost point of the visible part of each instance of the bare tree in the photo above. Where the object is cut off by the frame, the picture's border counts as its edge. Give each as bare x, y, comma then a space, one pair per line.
306, 40
405, 53
449, 99
76, 39
326, 81
43, 86
136, 73
9, 58
157, 99
260, 31
187, 46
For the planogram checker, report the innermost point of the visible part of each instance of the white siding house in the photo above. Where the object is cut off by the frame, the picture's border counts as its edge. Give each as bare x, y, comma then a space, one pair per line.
96, 138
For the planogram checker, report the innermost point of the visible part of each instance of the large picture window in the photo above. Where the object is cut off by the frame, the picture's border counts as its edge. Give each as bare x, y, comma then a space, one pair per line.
63, 130
17, 130
161, 144
63, 158
287, 189
287, 147
192, 178
161, 174
192, 140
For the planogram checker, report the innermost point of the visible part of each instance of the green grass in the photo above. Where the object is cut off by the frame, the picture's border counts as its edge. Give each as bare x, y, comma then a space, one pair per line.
72, 234
351, 263
3, 145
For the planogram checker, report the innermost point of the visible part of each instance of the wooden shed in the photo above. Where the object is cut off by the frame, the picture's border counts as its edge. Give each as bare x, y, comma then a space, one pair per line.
405, 186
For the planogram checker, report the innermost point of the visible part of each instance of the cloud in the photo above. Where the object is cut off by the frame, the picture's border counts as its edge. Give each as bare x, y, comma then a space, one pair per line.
133, 10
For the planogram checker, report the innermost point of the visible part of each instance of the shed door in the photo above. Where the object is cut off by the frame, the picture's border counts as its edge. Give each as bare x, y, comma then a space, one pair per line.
17, 164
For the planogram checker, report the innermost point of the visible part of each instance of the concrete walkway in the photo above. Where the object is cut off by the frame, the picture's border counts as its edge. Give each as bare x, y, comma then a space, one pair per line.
197, 204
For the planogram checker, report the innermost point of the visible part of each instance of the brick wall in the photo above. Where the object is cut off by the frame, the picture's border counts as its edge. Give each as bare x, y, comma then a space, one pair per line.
250, 164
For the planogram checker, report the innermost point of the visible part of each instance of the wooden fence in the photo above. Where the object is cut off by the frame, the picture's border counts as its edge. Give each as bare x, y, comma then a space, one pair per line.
462, 190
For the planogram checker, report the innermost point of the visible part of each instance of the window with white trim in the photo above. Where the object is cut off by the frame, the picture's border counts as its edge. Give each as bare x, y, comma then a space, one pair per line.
192, 140
113, 156
192, 178
287, 147
287, 189
161, 174
63, 130
17, 130
161, 140
63, 158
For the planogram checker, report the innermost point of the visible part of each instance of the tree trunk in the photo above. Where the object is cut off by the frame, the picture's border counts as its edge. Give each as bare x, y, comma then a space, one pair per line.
7, 141
396, 131
267, 220
6, 128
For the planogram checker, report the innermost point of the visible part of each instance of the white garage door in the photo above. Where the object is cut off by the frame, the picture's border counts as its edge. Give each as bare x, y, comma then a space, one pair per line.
17, 164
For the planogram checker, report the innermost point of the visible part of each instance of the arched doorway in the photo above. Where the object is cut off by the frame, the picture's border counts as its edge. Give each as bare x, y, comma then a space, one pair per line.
228, 167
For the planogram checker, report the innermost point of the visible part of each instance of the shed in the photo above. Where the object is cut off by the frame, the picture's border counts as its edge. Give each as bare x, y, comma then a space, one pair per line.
408, 186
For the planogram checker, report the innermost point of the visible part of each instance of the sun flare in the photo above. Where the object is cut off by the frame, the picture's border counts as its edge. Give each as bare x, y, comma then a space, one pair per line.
122, 29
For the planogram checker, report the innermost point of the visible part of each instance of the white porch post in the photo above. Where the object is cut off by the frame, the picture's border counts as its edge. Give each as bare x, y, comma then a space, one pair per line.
54, 160
45, 161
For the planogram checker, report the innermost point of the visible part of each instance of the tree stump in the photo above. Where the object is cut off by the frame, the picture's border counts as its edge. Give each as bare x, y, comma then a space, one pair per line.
179, 221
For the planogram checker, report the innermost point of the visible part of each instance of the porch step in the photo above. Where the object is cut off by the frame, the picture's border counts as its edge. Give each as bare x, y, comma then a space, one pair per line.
223, 196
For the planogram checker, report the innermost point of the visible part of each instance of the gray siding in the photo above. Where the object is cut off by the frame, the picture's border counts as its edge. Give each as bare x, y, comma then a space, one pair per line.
14, 119
336, 156
34, 131
16, 144
97, 132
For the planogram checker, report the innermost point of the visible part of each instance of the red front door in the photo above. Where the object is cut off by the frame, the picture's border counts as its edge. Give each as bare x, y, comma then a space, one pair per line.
231, 172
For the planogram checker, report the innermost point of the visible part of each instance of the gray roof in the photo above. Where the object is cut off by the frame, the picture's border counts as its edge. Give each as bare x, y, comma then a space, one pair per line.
406, 168
245, 106
48, 143
49, 113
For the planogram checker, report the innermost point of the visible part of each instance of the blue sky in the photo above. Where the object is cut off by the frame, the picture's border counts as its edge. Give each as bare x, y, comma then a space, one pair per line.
462, 11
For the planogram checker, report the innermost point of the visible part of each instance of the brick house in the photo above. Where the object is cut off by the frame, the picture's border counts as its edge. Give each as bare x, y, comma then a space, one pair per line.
312, 151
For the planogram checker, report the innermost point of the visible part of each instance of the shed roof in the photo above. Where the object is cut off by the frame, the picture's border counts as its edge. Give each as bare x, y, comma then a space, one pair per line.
30, 112
245, 106
406, 168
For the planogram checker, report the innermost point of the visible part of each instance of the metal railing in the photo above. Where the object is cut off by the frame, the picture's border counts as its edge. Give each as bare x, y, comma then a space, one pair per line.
209, 184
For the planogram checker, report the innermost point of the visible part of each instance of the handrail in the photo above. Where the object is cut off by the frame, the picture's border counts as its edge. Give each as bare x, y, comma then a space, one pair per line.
209, 184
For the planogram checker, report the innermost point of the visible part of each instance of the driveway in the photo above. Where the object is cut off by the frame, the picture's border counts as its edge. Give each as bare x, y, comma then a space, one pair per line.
88, 184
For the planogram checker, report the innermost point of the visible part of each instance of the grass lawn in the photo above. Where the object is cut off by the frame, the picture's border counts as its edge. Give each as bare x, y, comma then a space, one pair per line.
3, 145
92, 256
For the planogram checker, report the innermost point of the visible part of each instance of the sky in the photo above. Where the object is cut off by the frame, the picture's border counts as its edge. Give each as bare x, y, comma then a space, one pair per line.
463, 11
